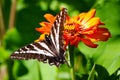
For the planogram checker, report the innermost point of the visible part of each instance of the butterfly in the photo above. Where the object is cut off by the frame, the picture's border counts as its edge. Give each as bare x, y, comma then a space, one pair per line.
51, 49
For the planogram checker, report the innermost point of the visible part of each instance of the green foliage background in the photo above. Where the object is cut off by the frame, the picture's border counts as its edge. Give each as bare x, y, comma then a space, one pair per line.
28, 15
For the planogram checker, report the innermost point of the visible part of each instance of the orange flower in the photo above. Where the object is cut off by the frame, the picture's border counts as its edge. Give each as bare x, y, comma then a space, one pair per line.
46, 26
85, 28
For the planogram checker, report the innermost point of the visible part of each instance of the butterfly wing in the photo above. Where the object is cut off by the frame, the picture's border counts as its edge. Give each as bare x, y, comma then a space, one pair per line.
51, 49
56, 34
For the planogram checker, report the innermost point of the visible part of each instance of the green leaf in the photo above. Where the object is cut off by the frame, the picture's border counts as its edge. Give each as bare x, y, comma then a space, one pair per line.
107, 54
111, 56
3, 54
63, 72
115, 75
109, 11
19, 69
11, 39
30, 71
102, 72
48, 72
34, 70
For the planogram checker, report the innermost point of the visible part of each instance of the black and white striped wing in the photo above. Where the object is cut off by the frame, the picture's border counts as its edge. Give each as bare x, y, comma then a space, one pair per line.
51, 49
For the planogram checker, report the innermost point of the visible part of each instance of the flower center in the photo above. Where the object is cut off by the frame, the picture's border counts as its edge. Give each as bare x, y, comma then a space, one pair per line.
69, 27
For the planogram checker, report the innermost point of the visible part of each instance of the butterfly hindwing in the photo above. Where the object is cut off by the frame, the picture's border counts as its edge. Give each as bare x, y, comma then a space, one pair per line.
51, 49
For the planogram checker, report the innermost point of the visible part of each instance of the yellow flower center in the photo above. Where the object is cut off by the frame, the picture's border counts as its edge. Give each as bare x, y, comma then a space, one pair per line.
69, 27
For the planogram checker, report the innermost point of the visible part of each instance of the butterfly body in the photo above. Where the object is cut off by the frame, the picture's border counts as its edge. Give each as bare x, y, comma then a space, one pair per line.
51, 49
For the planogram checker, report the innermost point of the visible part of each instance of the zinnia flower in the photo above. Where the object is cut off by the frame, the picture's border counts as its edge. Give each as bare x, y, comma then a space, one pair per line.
85, 28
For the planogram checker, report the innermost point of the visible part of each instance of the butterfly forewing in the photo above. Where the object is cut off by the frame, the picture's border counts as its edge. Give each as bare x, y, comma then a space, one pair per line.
56, 31
51, 49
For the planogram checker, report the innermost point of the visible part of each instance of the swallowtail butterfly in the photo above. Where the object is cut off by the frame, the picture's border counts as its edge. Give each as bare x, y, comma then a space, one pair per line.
51, 49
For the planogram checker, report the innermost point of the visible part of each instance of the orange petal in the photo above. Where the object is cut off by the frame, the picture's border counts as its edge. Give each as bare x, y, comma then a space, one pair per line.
75, 18
49, 17
92, 23
75, 41
46, 27
81, 16
45, 24
43, 30
66, 35
89, 15
89, 43
101, 34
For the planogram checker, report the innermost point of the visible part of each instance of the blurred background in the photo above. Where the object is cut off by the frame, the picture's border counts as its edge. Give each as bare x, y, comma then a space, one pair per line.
18, 20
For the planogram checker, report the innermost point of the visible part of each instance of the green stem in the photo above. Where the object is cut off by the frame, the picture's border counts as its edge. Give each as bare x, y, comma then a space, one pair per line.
12, 14
72, 74
2, 26
91, 75
71, 55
